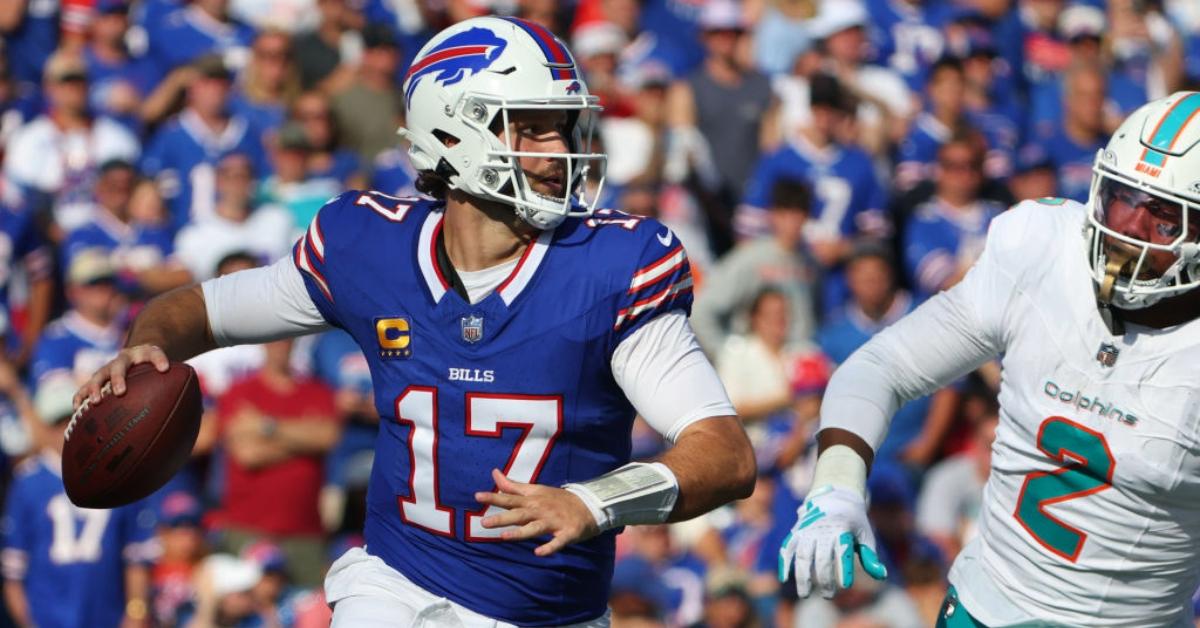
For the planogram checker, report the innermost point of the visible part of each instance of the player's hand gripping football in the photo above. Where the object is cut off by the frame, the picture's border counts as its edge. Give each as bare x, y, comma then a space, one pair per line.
116, 368
538, 510
831, 530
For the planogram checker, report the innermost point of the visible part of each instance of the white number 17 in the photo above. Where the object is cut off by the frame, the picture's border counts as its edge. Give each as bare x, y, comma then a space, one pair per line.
539, 417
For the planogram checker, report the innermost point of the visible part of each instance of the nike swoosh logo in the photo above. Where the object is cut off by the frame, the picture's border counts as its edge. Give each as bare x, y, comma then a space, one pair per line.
664, 238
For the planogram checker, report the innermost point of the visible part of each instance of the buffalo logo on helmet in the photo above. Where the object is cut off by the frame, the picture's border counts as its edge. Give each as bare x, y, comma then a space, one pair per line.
455, 59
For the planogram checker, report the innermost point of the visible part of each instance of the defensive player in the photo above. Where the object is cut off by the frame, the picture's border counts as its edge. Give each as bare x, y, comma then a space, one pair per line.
1091, 514
511, 331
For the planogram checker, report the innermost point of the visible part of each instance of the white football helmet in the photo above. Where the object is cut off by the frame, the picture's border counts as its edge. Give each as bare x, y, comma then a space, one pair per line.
1152, 161
485, 67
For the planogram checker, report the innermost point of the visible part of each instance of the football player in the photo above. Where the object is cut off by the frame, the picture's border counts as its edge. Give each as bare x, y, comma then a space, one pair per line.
1090, 512
511, 330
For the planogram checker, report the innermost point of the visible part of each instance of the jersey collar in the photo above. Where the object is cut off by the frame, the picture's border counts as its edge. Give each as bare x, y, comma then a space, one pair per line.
439, 284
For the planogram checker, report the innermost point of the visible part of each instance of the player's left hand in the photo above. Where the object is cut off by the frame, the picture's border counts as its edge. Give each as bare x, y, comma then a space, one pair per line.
538, 510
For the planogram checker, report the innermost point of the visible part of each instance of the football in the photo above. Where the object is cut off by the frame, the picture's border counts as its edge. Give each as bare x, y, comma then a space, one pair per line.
123, 448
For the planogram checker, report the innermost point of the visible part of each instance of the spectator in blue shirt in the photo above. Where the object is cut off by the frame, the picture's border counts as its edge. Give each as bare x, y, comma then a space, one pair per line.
269, 82
184, 153
120, 82
64, 565
196, 29
1073, 143
22, 247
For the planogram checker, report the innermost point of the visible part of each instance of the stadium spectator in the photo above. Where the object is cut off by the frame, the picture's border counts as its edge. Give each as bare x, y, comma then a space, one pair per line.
715, 115
64, 565
866, 603
779, 260
946, 234
181, 539
119, 82
141, 253
885, 103
269, 83
238, 224
848, 200
277, 601
183, 154
952, 492
1034, 175
945, 116
195, 29
991, 103
327, 56
293, 186
31, 31
88, 334
597, 46
781, 35
392, 173
223, 594
679, 596
328, 159
19, 103
53, 160
369, 109
23, 250
727, 603
275, 428
1072, 145
906, 38
18, 418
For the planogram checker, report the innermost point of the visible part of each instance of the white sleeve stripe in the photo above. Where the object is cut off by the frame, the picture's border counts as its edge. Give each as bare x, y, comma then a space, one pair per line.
658, 269
317, 239
305, 264
653, 301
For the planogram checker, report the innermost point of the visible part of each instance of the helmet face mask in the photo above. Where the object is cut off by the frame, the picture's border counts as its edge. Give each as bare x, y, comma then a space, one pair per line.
467, 83
1144, 206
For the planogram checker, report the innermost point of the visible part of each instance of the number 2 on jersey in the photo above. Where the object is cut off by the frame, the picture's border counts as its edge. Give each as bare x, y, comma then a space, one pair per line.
538, 416
1087, 469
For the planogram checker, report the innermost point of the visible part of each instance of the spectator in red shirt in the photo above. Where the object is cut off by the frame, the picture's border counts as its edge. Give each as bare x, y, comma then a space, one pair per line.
276, 427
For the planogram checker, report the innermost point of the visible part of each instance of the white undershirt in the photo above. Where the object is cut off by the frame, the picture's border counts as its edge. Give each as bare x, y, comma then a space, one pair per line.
660, 367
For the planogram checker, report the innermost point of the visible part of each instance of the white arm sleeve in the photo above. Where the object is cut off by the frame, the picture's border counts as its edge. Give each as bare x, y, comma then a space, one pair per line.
949, 335
260, 305
666, 376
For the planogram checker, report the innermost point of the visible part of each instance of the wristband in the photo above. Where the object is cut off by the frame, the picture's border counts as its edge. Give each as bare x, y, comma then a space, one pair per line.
841, 466
637, 493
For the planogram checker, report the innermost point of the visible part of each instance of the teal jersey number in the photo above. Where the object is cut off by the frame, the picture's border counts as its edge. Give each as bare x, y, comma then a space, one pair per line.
1087, 468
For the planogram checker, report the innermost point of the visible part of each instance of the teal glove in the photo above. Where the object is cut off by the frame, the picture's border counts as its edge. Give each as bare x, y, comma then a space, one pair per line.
831, 529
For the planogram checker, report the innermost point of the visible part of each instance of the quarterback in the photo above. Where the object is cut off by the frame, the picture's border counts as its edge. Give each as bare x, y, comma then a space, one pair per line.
1091, 514
511, 330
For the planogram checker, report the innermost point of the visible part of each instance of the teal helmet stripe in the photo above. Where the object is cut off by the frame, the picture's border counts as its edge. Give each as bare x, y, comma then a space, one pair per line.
1154, 158
1173, 123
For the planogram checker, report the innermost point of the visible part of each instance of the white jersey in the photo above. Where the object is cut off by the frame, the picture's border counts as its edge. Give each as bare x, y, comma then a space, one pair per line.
1091, 514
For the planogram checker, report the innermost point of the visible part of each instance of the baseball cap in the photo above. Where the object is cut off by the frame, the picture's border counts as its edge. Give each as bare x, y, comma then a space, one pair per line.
54, 400
291, 136
836, 16
212, 66
90, 266
267, 555
598, 38
1080, 21
1032, 156
378, 36
647, 74
112, 6
720, 15
231, 574
180, 508
63, 66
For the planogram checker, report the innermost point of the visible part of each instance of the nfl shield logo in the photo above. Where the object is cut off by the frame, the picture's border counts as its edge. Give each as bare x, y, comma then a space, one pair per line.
1107, 355
472, 328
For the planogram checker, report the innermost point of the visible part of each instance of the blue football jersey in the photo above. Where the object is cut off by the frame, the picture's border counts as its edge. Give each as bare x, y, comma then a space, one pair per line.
520, 381
71, 560
73, 347
131, 247
1072, 163
20, 245
188, 33
33, 41
905, 38
183, 156
938, 241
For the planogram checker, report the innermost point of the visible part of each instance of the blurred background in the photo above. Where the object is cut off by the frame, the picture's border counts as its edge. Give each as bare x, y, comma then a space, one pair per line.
828, 164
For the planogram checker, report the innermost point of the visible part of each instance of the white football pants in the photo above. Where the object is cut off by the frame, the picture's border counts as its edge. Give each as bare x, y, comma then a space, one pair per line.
366, 593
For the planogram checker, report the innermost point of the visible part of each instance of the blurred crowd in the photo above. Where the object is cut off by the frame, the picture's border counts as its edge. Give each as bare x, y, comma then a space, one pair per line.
829, 164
